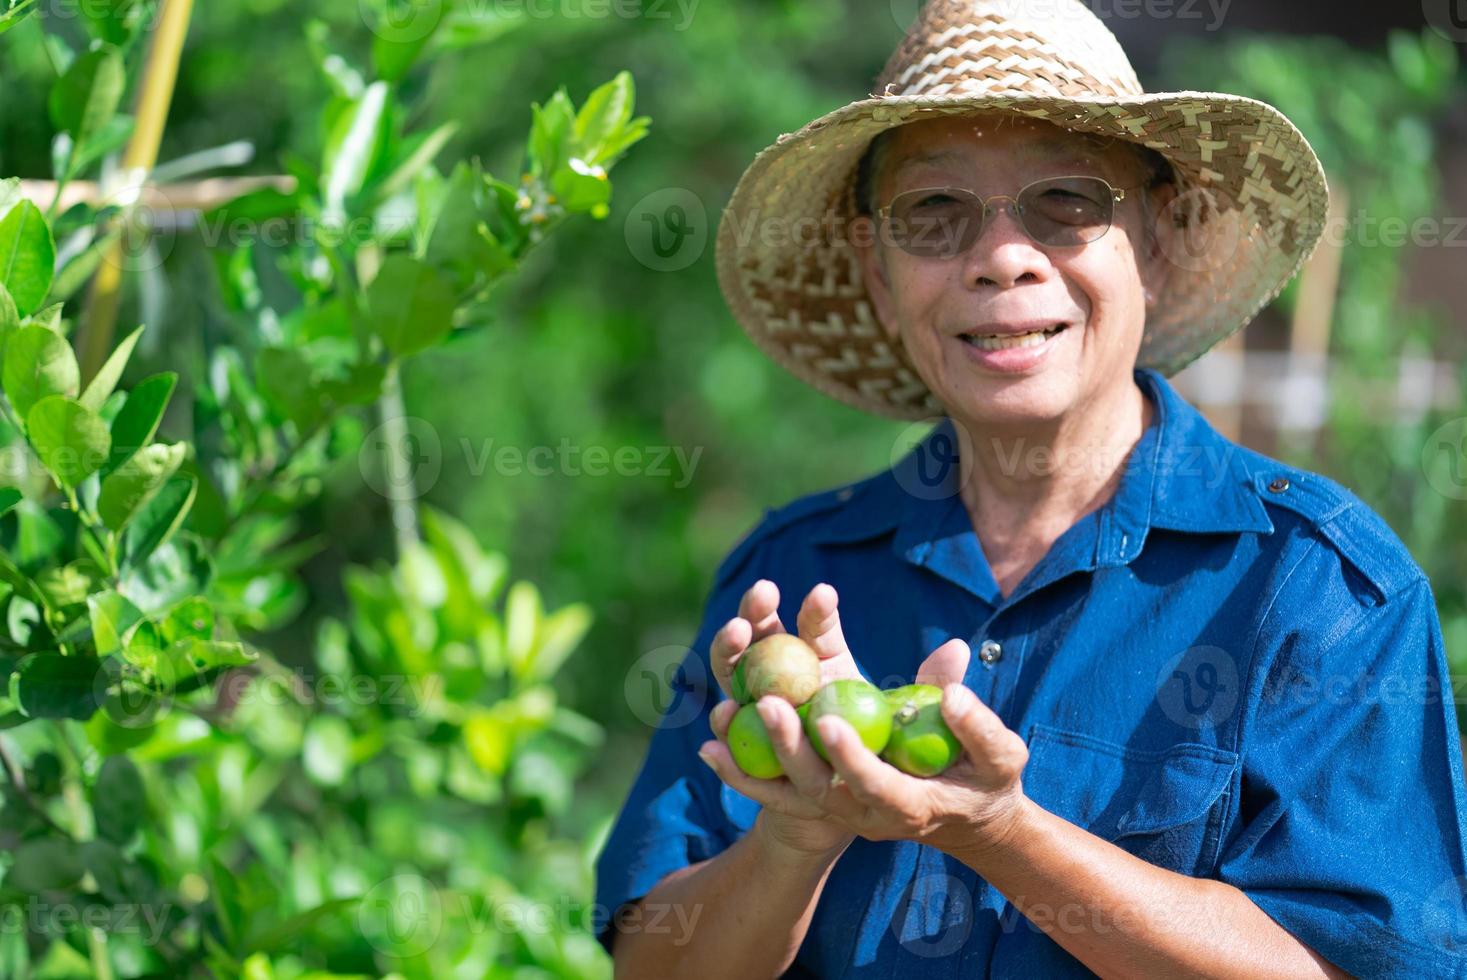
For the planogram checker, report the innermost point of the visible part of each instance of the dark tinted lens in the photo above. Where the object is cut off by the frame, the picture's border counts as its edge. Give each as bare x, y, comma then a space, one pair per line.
935, 223
1067, 210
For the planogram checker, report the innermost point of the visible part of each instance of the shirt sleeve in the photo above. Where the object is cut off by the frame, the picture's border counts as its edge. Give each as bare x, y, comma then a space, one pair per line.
673, 816
1351, 832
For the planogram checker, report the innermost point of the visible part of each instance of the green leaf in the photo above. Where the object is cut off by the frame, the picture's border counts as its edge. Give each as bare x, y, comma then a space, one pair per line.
460, 240
10, 194
101, 387
119, 802
357, 138
9, 497
343, 78
50, 318
289, 385
9, 318
283, 936
27, 257
421, 153
192, 619
88, 94
80, 268
410, 305
111, 616
111, 137
48, 685
11, 574
605, 113
559, 635
138, 420
110, 738
550, 129
203, 655
129, 487
38, 364
522, 615
398, 40
156, 523
176, 570
43, 864
326, 753
71, 440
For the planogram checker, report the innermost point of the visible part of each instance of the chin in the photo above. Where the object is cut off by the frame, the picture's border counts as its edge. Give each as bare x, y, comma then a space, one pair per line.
1033, 398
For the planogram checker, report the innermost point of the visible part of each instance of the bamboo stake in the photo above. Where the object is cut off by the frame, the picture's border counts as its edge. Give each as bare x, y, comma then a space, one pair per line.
154, 97
193, 195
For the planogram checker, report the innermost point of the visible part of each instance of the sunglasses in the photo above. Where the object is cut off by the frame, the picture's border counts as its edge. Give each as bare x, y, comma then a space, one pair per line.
943, 222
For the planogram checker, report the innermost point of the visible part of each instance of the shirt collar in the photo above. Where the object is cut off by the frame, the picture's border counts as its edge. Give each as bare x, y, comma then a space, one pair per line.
1183, 475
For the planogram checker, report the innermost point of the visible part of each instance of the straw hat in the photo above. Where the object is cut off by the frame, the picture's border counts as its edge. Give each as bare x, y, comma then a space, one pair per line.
1251, 195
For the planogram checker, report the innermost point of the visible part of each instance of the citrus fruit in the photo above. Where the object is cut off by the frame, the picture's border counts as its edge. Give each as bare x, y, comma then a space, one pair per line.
750, 745
860, 703
921, 744
780, 664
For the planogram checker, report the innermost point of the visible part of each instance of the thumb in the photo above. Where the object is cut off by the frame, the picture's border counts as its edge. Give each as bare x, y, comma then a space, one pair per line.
948, 664
997, 753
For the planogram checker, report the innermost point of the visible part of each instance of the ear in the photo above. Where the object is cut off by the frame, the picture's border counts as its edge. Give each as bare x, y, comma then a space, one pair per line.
1153, 259
872, 256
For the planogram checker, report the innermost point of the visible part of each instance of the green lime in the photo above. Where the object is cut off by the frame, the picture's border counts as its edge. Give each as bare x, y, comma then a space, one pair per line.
750, 745
780, 664
921, 744
860, 703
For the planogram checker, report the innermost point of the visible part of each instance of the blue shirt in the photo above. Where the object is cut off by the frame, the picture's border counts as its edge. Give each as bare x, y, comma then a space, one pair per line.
1233, 669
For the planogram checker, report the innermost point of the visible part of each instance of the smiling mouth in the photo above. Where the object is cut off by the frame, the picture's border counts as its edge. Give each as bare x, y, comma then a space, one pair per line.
1006, 341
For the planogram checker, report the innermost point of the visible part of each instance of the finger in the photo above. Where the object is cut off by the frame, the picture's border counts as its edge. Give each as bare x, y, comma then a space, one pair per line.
819, 622
870, 782
777, 794
802, 765
760, 606
997, 754
728, 643
720, 717
948, 664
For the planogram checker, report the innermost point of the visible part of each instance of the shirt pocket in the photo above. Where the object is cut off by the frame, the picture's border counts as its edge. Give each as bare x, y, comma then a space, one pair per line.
1164, 806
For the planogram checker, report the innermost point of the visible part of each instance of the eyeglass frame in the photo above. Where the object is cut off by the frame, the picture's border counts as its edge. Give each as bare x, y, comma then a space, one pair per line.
1117, 195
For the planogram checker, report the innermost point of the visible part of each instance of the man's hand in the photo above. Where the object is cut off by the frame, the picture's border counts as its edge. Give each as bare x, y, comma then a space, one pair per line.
975, 803
819, 626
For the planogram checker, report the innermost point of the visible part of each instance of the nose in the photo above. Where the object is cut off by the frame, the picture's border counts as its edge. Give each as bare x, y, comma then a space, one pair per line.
1004, 255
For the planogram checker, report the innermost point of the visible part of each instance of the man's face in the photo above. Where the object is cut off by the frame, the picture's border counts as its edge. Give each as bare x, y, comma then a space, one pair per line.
1011, 330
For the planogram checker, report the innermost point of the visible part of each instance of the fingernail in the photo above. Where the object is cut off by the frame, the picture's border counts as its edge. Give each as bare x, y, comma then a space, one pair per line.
830, 733
707, 759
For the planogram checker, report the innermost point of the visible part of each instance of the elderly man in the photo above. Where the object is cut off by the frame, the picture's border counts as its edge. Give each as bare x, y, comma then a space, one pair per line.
1179, 754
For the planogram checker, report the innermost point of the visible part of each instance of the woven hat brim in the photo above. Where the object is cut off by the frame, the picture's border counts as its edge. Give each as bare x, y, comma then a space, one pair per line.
1250, 185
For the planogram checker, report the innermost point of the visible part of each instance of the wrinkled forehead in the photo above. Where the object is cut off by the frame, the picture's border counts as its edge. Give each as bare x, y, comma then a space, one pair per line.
972, 141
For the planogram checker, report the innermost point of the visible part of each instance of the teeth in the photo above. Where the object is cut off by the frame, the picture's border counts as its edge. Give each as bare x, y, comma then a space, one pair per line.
1033, 339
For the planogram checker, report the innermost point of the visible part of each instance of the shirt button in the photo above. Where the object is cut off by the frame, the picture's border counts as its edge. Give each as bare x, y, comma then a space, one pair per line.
1279, 484
990, 652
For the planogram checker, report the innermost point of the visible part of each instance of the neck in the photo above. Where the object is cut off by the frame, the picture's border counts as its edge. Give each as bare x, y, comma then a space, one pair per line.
1025, 485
